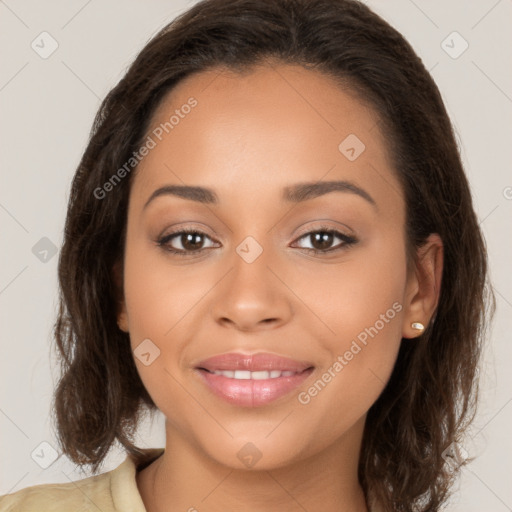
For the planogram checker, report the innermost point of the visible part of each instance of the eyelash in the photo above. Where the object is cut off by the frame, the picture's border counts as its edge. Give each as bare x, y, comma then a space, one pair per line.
347, 241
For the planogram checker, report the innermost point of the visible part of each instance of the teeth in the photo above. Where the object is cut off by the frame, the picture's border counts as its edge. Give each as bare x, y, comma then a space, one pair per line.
260, 375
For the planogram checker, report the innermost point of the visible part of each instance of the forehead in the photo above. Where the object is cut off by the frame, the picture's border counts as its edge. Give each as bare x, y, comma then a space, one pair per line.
275, 124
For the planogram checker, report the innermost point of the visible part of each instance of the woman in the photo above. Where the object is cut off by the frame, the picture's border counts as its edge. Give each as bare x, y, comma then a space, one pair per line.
270, 239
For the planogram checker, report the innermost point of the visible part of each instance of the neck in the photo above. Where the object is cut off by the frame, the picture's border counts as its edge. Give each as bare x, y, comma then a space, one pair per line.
184, 478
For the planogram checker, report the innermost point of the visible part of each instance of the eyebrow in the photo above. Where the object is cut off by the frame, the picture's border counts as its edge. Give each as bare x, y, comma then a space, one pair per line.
295, 193
304, 191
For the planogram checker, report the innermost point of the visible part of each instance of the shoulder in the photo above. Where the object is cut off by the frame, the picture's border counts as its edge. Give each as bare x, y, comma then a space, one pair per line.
78, 496
112, 491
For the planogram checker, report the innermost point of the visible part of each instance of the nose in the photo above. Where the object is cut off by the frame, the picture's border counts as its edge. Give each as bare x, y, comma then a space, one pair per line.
253, 296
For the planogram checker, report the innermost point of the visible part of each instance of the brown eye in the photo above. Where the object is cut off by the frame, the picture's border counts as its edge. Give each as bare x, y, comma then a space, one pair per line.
191, 241
185, 241
321, 241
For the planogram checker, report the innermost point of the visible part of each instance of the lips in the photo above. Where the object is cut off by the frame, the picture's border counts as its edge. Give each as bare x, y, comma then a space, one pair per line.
248, 375
252, 380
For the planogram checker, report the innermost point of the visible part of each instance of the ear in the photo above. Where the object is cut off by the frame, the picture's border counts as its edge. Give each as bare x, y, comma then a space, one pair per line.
423, 285
122, 314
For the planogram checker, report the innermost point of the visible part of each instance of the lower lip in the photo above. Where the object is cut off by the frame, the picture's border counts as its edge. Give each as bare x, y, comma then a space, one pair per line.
252, 393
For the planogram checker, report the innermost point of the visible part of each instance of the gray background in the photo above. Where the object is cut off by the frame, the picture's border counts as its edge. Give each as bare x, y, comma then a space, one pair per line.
47, 107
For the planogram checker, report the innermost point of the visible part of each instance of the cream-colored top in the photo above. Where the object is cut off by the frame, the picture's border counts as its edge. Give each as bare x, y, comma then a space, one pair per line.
113, 491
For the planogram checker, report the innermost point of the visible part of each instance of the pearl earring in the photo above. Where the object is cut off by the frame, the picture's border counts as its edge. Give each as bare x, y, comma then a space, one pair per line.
418, 326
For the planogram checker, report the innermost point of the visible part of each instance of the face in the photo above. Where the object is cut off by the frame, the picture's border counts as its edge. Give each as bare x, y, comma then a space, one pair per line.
272, 324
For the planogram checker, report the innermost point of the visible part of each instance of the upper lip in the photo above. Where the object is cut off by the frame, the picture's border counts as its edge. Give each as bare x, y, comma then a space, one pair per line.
253, 363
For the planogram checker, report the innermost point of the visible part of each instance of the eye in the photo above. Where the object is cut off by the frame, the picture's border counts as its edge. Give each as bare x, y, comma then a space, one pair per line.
189, 242
321, 240
185, 242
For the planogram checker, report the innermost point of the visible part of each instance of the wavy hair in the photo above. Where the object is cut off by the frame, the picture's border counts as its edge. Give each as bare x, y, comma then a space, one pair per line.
430, 398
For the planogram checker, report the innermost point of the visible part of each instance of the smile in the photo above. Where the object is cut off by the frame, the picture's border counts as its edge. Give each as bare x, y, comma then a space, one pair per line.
252, 380
247, 375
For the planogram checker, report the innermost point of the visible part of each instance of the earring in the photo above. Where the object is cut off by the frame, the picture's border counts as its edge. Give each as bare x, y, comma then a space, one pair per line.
418, 326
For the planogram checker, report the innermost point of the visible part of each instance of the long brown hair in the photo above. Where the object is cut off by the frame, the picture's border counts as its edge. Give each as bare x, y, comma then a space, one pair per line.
431, 395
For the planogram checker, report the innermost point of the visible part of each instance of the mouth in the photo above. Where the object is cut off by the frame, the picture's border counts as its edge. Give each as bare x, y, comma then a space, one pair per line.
248, 375
252, 380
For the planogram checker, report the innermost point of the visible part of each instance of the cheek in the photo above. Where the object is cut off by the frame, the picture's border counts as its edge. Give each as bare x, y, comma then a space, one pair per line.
158, 295
351, 296
158, 299
361, 304
163, 301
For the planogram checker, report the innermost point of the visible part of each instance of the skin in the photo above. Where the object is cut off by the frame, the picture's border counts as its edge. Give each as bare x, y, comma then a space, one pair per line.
248, 137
